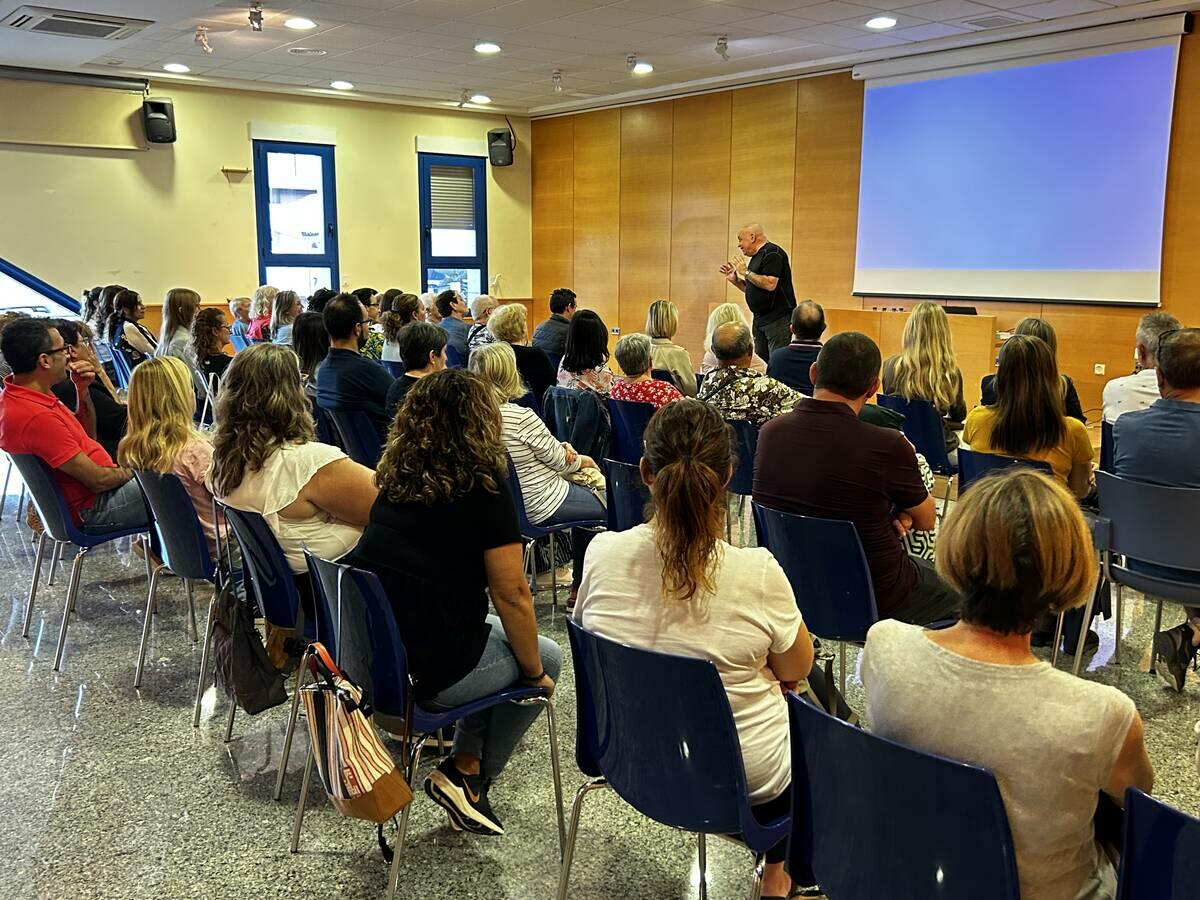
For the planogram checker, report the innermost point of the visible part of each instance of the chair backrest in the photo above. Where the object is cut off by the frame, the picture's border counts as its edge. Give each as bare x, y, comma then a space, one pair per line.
342, 622
206, 402
825, 564
514, 487
122, 365
699, 381
629, 421
454, 359
46, 497
530, 400
1149, 522
184, 545
239, 342
326, 433
270, 576
973, 465
359, 437
920, 826
658, 727
923, 426
663, 375
393, 368
626, 494
745, 436
1106, 446
1160, 851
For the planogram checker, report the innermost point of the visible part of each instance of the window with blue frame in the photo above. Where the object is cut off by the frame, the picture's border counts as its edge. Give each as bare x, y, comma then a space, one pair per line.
453, 192
296, 206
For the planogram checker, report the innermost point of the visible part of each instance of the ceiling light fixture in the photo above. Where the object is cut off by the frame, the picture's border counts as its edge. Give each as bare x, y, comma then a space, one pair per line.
300, 24
306, 51
636, 66
488, 47
176, 68
341, 85
256, 17
881, 23
202, 38
722, 47
480, 99
556, 80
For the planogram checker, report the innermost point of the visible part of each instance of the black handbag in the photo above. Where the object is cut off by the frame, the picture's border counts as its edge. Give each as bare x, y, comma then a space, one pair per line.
243, 667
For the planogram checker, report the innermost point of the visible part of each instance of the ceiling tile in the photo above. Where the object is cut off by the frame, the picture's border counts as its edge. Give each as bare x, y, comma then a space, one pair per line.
944, 10
930, 31
1057, 9
837, 11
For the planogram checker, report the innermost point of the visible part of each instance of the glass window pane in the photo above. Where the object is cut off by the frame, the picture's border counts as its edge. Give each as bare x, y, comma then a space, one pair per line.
300, 279
297, 203
19, 298
451, 242
465, 281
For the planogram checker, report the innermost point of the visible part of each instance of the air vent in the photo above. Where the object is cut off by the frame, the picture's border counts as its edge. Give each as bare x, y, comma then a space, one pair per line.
992, 21
66, 23
306, 51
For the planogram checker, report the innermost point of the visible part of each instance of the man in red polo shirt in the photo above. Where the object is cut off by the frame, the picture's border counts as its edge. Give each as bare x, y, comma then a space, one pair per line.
100, 495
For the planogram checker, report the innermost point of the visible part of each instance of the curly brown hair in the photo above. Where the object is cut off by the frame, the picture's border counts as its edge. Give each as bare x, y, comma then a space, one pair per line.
205, 342
260, 408
446, 441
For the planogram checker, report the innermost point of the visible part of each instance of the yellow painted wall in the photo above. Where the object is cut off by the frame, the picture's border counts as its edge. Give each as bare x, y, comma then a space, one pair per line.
168, 217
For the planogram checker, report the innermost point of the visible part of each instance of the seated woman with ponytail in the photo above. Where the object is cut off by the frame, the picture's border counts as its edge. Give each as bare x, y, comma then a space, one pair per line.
673, 585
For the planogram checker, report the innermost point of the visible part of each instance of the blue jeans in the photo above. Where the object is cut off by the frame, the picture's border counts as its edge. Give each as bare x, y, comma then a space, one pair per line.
578, 505
117, 510
492, 735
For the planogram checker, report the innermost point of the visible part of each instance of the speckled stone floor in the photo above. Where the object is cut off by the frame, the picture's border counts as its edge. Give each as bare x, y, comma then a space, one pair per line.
107, 792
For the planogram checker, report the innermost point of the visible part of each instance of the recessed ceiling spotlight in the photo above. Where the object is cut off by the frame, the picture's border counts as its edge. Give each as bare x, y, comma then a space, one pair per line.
488, 47
881, 23
480, 98
342, 85
176, 68
300, 24
638, 67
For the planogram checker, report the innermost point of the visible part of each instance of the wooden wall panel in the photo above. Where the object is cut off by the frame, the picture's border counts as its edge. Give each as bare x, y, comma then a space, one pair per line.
828, 154
646, 166
553, 168
1181, 234
598, 212
762, 172
700, 236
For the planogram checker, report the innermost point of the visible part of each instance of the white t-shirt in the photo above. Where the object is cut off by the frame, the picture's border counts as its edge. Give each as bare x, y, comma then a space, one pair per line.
752, 613
1129, 393
277, 485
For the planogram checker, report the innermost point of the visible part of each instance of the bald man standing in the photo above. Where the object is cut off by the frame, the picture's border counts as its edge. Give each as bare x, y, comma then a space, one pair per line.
766, 280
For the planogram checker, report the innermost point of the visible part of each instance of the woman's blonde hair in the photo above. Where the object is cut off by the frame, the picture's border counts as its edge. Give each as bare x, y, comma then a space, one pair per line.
261, 302
281, 309
926, 368
722, 315
1016, 548
497, 365
162, 402
261, 407
179, 308
509, 323
688, 450
662, 320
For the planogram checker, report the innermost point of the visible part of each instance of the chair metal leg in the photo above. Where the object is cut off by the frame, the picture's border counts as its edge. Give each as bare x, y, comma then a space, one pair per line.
187, 586
1058, 630
55, 558
151, 601
414, 756
702, 859
229, 721
552, 729
69, 607
302, 800
1120, 618
21, 505
1083, 632
145, 539
1157, 629
33, 585
842, 668
553, 572
760, 866
202, 679
291, 728
564, 872
4, 491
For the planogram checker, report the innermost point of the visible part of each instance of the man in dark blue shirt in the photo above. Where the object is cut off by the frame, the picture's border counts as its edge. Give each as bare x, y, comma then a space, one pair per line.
346, 380
792, 364
1159, 445
551, 336
453, 309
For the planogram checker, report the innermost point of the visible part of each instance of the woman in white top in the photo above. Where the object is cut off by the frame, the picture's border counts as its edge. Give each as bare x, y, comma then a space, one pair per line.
283, 315
723, 315
1016, 548
662, 321
265, 460
673, 585
175, 336
543, 464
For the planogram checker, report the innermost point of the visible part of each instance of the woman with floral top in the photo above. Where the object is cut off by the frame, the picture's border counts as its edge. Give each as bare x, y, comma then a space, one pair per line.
634, 354
584, 364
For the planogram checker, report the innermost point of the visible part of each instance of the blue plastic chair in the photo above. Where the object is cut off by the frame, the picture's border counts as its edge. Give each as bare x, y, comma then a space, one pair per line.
676, 762
123, 367
1106, 446
629, 421
1146, 523
530, 400
326, 433
395, 369
454, 359
361, 593
627, 495
824, 562
923, 426
663, 375
936, 828
239, 342
532, 533
359, 437
59, 528
1159, 851
973, 465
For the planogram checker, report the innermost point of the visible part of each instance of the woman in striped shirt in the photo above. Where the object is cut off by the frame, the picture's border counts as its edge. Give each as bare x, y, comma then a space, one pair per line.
543, 465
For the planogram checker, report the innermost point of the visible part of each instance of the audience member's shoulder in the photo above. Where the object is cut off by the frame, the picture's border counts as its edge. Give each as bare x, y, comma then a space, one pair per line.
888, 633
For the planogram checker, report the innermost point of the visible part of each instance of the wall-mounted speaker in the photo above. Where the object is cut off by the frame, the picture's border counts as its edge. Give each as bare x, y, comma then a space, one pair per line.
158, 117
500, 146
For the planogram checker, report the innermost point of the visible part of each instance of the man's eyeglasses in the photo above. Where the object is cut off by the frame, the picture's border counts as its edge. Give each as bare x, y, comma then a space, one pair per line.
63, 349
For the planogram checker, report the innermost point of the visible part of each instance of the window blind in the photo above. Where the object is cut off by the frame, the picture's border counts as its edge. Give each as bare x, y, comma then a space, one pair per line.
452, 197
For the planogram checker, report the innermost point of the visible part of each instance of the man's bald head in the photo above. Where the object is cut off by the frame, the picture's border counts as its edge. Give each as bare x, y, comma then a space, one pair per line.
750, 238
733, 345
808, 321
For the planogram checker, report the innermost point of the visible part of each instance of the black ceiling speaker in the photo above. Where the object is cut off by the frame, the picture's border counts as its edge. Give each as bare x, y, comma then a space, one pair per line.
158, 116
500, 146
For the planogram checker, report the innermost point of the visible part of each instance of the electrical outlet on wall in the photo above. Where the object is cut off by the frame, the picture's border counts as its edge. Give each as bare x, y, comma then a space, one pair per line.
616, 330
1098, 369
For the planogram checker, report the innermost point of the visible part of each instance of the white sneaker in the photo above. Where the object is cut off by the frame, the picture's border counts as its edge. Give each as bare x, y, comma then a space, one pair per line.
563, 575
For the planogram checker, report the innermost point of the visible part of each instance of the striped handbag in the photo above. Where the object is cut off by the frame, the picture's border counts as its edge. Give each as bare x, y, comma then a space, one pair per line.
359, 775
